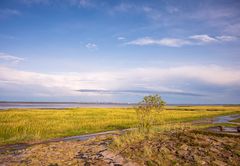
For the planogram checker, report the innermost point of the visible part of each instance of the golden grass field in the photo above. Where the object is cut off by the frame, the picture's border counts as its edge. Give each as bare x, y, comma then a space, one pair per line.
24, 125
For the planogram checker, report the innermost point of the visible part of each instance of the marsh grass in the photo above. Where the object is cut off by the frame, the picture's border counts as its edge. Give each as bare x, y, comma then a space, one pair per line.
24, 125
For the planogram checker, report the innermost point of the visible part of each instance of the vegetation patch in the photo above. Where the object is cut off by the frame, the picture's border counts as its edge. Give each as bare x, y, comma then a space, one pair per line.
24, 125
182, 147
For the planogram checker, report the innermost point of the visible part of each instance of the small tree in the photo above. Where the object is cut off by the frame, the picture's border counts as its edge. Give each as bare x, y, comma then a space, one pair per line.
145, 111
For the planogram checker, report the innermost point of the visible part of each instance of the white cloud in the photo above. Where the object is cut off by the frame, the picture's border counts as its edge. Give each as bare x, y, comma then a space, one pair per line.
171, 42
226, 38
9, 58
142, 41
207, 39
177, 42
91, 46
203, 38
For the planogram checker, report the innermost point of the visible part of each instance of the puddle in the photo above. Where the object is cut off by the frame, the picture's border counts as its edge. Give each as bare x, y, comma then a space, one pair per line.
225, 129
225, 119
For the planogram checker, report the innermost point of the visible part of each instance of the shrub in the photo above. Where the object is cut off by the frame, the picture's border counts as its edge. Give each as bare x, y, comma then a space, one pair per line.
145, 111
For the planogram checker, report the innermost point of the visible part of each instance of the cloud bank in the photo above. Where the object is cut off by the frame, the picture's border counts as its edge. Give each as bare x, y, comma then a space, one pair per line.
173, 80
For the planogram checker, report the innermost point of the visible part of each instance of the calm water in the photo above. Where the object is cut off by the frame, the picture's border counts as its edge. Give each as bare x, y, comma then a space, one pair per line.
8, 105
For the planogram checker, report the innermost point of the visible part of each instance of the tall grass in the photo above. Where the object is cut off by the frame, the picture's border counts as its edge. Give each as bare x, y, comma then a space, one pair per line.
23, 125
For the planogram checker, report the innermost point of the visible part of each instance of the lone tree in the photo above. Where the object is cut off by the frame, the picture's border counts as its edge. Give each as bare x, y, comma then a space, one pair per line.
145, 111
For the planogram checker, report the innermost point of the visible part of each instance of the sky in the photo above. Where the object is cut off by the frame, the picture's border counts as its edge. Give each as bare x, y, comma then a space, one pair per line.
188, 51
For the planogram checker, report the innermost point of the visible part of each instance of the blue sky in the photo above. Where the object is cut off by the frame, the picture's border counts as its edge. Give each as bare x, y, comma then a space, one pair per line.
118, 51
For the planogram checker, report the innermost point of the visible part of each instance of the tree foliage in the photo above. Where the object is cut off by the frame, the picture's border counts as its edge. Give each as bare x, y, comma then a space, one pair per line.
145, 111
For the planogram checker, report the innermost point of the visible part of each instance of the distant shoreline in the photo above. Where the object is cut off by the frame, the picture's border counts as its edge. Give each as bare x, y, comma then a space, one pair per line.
60, 105
4, 105
43, 102
108, 103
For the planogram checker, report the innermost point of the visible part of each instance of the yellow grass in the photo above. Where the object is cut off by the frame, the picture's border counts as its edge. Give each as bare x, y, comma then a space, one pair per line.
23, 125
